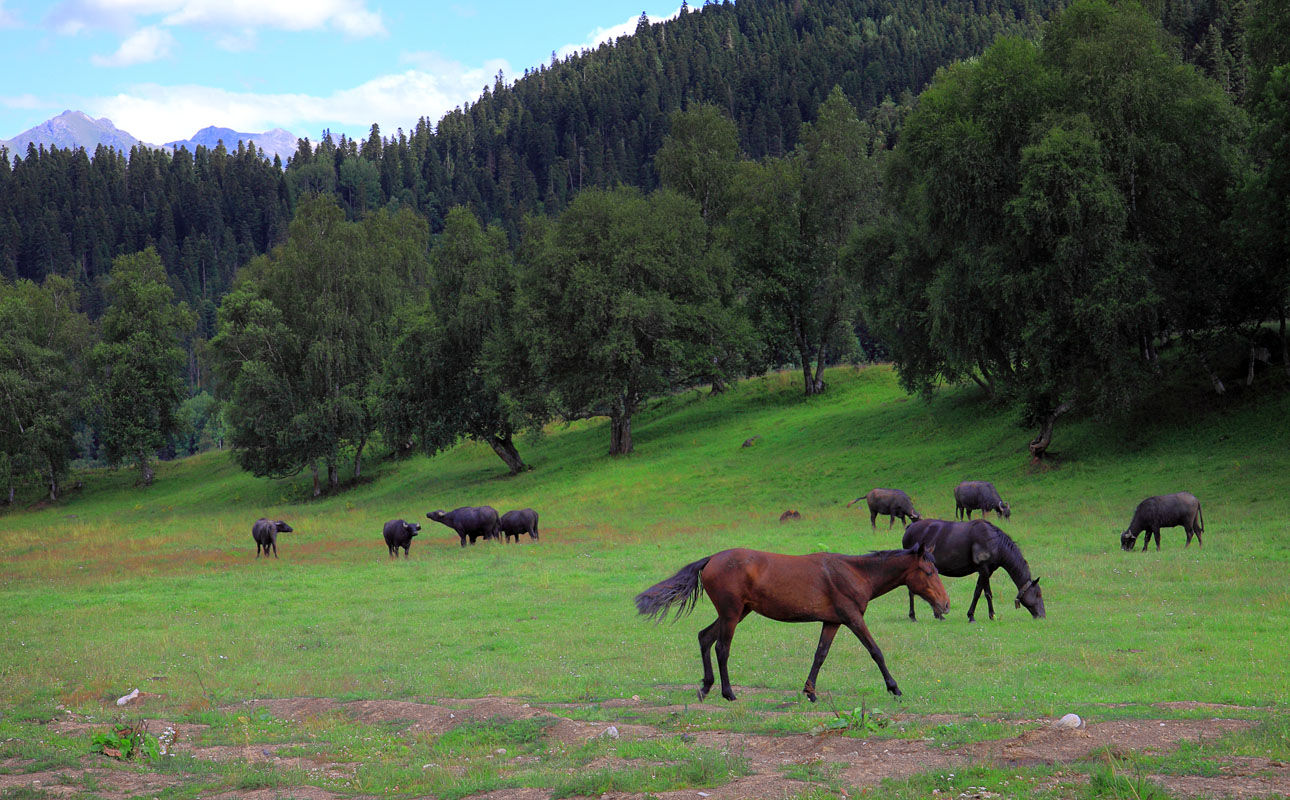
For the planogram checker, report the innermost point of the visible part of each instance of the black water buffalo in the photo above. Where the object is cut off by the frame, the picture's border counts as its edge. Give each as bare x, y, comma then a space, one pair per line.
469, 521
265, 533
399, 534
976, 548
513, 523
972, 495
1164, 511
892, 502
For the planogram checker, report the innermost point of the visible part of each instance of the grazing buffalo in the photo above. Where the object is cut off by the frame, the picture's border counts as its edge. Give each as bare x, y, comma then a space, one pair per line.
513, 523
892, 502
972, 495
1164, 511
265, 533
399, 534
976, 547
790, 515
469, 521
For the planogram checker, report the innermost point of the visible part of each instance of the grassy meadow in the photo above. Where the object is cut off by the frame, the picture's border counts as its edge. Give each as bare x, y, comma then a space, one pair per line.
116, 587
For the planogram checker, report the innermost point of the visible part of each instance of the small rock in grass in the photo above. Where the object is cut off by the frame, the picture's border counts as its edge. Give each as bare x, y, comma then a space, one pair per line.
1069, 722
610, 733
125, 699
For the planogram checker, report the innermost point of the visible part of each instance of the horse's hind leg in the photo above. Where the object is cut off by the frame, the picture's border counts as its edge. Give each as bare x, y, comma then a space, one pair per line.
725, 633
706, 638
981, 586
827, 633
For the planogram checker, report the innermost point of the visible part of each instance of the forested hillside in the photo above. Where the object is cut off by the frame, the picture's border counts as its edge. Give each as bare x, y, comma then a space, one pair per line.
593, 119
1069, 220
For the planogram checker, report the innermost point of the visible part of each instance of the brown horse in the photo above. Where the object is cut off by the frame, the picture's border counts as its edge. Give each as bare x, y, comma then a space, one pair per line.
821, 587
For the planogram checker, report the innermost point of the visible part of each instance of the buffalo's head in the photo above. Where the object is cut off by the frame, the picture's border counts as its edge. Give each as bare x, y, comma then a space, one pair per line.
411, 528
1032, 598
1128, 540
437, 515
282, 527
1005, 510
915, 516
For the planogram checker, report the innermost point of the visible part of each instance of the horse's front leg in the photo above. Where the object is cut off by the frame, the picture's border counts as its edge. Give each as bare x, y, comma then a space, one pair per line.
706, 637
861, 631
976, 595
827, 633
911, 606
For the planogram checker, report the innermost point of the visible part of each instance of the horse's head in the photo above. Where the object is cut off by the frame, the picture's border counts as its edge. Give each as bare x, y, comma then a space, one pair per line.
924, 581
1032, 598
1128, 540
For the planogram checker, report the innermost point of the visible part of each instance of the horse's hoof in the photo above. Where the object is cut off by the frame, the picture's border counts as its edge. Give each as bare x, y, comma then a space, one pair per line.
702, 694
894, 689
971, 619
728, 695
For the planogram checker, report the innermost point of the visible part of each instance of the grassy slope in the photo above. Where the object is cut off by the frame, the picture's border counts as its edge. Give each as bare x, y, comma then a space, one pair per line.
117, 585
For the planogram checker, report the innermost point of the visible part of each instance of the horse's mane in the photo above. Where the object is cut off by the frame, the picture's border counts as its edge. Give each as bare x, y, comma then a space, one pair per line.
1009, 551
886, 554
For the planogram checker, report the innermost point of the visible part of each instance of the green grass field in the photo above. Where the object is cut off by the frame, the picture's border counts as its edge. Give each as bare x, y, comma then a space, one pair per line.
117, 587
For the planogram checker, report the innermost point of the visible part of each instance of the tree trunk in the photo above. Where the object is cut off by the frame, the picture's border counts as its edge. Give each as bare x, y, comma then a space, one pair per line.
505, 450
818, 382
620, 433
333, 476
11, 494
313, 466
146, 473
1285, 346
1219, 388
53, 484
1039, 445
358, 459
718, 386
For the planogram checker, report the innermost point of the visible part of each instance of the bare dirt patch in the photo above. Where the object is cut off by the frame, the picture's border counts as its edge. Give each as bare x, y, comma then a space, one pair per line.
1242, 778
857, 762
108, 783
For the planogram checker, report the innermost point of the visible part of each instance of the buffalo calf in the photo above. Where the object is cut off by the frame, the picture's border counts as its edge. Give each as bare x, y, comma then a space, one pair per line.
399, 534
513, 523
265, 533
1164, 511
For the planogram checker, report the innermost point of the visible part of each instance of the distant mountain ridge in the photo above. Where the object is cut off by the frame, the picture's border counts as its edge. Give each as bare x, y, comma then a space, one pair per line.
72, 129
277, 142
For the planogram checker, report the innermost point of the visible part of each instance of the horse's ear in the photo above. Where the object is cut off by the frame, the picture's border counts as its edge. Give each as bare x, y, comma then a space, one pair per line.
929, 549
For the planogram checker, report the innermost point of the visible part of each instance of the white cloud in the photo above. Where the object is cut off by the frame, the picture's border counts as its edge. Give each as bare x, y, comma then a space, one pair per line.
144, 45
156, 113
7, 19
599, 35
351, 17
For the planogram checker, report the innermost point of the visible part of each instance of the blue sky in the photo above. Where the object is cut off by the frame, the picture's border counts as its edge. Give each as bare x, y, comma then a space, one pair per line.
162, 69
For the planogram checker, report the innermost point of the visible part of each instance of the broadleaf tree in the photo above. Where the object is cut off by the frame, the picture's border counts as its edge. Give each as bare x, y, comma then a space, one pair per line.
43, 339
436, 387
303, 335
624, 299
138, 363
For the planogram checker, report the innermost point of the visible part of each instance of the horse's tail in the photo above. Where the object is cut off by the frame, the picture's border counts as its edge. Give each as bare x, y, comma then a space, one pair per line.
680, 590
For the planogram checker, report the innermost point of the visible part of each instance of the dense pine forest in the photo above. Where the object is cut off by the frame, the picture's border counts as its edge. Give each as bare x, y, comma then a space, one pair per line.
1059, 205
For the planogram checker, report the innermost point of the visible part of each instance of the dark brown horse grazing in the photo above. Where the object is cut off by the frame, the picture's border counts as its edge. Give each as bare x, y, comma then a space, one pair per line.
976, 548
821, 587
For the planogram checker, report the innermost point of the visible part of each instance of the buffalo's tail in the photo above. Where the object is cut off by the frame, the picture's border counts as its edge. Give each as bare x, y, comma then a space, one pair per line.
1200, 518
680, 590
